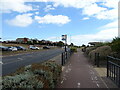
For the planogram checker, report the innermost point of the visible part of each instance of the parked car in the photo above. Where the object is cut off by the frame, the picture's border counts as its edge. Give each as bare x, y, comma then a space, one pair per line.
3, 48
34, 47
46, 47
20, 48
12, 48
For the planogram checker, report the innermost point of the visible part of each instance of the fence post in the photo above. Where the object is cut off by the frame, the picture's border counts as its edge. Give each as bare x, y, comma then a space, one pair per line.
119, 76
62, 59
107, 67
98, 59
95, 59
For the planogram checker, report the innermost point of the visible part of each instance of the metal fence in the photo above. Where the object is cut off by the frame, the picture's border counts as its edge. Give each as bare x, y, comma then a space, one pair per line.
100, 61
113, 69
97, 59
65, 56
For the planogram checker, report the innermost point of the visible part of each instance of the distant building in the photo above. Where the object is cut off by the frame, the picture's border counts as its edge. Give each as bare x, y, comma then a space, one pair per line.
22, 40
95, 43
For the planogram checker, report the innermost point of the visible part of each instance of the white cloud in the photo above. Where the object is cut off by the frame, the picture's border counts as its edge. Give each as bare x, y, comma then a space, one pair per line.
108, 14
85, 18
50, 19
14, 5
107, 33
21, 20
36, 13
48, 8
113, 24
111, 3
54, 39
92, 9
103, 35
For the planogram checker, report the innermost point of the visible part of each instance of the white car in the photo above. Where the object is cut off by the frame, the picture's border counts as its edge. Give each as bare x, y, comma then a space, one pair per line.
12, 48
34, 47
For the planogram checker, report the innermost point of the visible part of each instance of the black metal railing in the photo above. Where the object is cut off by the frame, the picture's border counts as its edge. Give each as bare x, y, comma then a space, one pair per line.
65, 56
113, 69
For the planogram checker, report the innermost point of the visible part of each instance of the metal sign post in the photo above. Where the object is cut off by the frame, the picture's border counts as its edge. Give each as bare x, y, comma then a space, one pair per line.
64, 38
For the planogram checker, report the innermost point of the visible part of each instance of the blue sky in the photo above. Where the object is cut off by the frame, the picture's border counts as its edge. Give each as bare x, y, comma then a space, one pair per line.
82, 20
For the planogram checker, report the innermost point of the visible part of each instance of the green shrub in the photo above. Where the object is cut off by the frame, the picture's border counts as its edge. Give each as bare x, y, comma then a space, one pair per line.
43, 75
115, 45
24, 80
103, 51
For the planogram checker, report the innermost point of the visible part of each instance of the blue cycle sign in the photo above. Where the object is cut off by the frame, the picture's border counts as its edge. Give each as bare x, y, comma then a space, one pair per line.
64, 37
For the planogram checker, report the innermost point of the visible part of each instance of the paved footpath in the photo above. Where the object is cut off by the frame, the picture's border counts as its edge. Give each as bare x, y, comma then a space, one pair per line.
79, 73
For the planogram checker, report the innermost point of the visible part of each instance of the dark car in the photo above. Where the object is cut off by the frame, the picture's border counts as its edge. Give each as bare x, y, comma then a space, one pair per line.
3, 48
46, 47
20, 48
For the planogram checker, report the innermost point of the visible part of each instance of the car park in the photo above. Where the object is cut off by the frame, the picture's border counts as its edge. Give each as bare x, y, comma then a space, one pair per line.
20, 48
12, 48
3, 48
34, 47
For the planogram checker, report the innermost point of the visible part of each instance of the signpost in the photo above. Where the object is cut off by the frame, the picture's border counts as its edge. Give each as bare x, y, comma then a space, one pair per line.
64, 38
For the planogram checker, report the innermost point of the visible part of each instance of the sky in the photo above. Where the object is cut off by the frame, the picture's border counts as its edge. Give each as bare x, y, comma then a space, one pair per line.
83, 21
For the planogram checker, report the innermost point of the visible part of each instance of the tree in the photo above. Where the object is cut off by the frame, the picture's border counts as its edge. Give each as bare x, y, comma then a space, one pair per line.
83, 45
60, 43
29, 42
71, 44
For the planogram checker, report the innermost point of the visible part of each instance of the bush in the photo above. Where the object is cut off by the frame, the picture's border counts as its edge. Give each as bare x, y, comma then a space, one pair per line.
73, 49
115, 45
24, 80
103, 51
43, 75
89, 49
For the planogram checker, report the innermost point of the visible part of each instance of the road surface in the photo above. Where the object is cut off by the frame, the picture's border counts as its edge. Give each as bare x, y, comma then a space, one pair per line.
11, 63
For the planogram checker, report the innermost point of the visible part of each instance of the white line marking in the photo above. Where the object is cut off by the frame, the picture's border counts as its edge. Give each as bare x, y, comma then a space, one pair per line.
92, 78
78, 85
20, 58
97, 85
61, 82
1, 62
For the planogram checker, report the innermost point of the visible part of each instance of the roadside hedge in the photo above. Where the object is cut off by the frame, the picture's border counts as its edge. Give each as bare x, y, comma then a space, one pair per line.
42, 75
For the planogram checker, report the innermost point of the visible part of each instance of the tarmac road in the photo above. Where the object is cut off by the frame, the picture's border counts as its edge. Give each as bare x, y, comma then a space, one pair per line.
11, 63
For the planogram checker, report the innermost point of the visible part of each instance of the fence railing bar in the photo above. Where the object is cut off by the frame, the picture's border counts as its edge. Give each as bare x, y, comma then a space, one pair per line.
113, 70
65, 56
114, 64
113, 58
